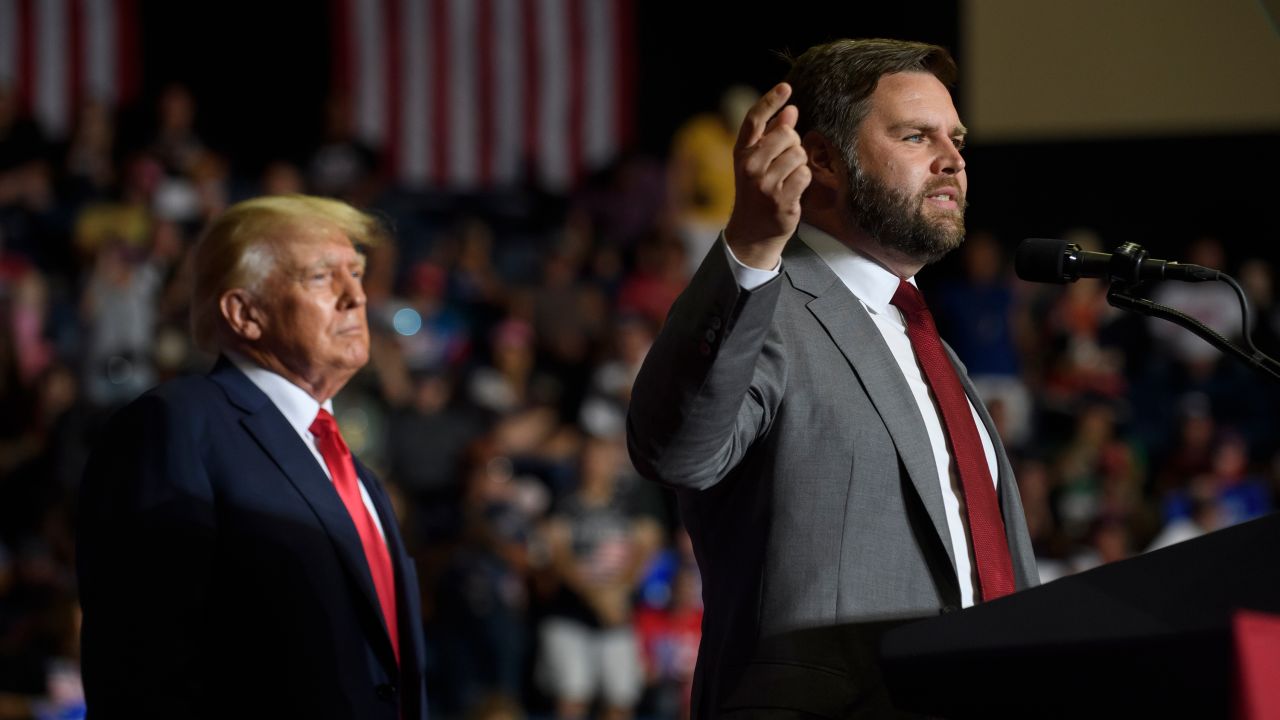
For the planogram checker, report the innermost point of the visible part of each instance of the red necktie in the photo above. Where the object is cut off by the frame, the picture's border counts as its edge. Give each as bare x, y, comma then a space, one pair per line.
338, 458
986, 527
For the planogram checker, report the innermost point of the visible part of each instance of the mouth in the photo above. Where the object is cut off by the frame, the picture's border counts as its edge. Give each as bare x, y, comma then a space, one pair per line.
945, 197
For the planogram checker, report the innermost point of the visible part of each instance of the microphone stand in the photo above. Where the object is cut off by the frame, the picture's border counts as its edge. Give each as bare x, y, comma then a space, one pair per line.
1125, 262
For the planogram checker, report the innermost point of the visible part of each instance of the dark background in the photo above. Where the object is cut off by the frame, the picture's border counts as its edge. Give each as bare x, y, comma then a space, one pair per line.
260, 72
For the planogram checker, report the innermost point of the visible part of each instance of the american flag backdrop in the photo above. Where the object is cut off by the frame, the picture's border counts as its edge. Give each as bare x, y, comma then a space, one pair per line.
57, 54
476, 94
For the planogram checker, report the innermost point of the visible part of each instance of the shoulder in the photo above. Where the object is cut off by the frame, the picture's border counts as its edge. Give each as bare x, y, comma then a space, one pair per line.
187, 388
189, 394
156, 444
187, 401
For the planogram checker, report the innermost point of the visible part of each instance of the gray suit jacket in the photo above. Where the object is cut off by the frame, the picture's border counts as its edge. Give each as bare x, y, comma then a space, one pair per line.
806, 481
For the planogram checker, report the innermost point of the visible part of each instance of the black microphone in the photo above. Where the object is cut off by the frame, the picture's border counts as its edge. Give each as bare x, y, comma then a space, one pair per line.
1058, 261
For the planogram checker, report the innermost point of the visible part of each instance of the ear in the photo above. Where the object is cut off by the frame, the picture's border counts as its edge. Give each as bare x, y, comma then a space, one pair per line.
242, 314
825, 163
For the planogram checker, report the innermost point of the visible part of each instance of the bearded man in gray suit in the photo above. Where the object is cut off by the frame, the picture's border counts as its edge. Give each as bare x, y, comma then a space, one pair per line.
835, 468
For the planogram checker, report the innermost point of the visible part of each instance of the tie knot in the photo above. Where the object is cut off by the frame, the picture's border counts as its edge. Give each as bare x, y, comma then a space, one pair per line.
324, 426
908, 299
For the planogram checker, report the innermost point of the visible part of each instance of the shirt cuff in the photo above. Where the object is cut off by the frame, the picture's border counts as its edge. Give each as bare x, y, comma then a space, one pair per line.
749, 278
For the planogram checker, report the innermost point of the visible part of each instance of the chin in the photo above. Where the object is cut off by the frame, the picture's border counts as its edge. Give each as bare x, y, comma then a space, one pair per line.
355, 358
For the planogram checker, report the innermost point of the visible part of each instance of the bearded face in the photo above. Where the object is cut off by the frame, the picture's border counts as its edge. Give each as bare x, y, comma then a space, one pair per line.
902, 219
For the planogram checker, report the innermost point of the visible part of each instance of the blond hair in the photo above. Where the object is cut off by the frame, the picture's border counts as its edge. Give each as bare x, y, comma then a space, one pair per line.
238, 250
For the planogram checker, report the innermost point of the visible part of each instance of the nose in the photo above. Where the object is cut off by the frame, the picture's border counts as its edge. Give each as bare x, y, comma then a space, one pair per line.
949, 160
351, 293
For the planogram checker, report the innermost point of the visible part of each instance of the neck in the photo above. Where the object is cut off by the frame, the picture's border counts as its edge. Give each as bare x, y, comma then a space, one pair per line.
318, 385
842, 228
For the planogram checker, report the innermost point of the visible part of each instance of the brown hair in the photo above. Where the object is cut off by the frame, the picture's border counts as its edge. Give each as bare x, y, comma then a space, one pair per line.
832, 83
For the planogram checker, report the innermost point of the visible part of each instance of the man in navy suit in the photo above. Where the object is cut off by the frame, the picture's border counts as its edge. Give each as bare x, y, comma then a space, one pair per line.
234, 559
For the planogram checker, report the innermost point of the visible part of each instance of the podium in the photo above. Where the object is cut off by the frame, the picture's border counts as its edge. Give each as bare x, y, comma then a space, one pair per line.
1150, 636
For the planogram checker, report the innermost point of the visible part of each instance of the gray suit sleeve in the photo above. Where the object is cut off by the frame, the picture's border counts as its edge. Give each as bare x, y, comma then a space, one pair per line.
711, 382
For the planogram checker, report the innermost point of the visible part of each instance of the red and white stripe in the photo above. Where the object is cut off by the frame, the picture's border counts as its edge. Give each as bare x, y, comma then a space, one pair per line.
472, 94
55, 55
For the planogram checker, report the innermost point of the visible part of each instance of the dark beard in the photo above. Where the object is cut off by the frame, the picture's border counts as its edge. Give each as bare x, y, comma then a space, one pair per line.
897, 220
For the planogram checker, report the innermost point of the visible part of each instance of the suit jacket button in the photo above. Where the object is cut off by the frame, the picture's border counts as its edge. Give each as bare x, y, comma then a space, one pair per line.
386, 691
710, 336
947, 609
715, 322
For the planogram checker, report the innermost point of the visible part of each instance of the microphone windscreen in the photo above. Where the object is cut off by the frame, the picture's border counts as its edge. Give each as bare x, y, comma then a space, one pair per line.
1040, 260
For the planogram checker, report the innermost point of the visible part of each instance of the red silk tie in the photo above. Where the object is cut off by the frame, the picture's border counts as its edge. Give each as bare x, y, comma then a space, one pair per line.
986, 527
338, 457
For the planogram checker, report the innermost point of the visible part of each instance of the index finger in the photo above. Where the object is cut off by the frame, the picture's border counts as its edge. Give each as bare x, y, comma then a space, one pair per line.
753, 125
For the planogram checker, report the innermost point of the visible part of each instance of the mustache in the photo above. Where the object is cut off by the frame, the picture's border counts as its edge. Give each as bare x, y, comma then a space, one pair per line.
962, 199
935, 186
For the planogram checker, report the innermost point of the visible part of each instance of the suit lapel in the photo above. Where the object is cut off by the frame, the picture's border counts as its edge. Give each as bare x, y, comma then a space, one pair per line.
1002, 460
279, 441
859, 340
406, 581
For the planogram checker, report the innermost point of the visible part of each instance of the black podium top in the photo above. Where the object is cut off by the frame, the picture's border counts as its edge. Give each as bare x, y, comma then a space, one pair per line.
1148, 636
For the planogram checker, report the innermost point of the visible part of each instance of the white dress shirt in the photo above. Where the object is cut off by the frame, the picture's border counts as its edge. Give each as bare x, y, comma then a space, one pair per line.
874, 286
299, 410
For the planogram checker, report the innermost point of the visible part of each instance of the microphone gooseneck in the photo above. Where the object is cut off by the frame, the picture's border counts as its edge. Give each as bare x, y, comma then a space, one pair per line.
1057, 261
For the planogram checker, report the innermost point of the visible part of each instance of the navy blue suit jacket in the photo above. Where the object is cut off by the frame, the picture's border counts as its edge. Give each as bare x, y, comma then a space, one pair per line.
221, 575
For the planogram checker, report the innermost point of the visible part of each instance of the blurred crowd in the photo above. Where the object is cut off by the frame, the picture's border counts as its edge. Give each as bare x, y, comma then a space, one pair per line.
508, 326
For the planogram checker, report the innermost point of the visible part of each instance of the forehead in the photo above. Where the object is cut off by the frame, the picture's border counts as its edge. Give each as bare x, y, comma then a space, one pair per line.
911, 96
307, 244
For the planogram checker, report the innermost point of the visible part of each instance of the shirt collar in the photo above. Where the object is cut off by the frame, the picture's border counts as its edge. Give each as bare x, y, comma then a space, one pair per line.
297, 406
867, 279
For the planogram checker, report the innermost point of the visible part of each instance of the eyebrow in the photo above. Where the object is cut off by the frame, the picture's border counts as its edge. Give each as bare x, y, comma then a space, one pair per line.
327, 263
927, 127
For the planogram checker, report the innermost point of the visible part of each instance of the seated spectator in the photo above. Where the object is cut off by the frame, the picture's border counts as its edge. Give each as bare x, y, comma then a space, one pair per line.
1203, 515
657, 280
482, 602
1212, 303
977, 313
1241, 495
669, 637
597, 552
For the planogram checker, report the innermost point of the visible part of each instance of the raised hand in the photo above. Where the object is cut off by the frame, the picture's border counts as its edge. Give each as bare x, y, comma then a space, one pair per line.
771, 172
